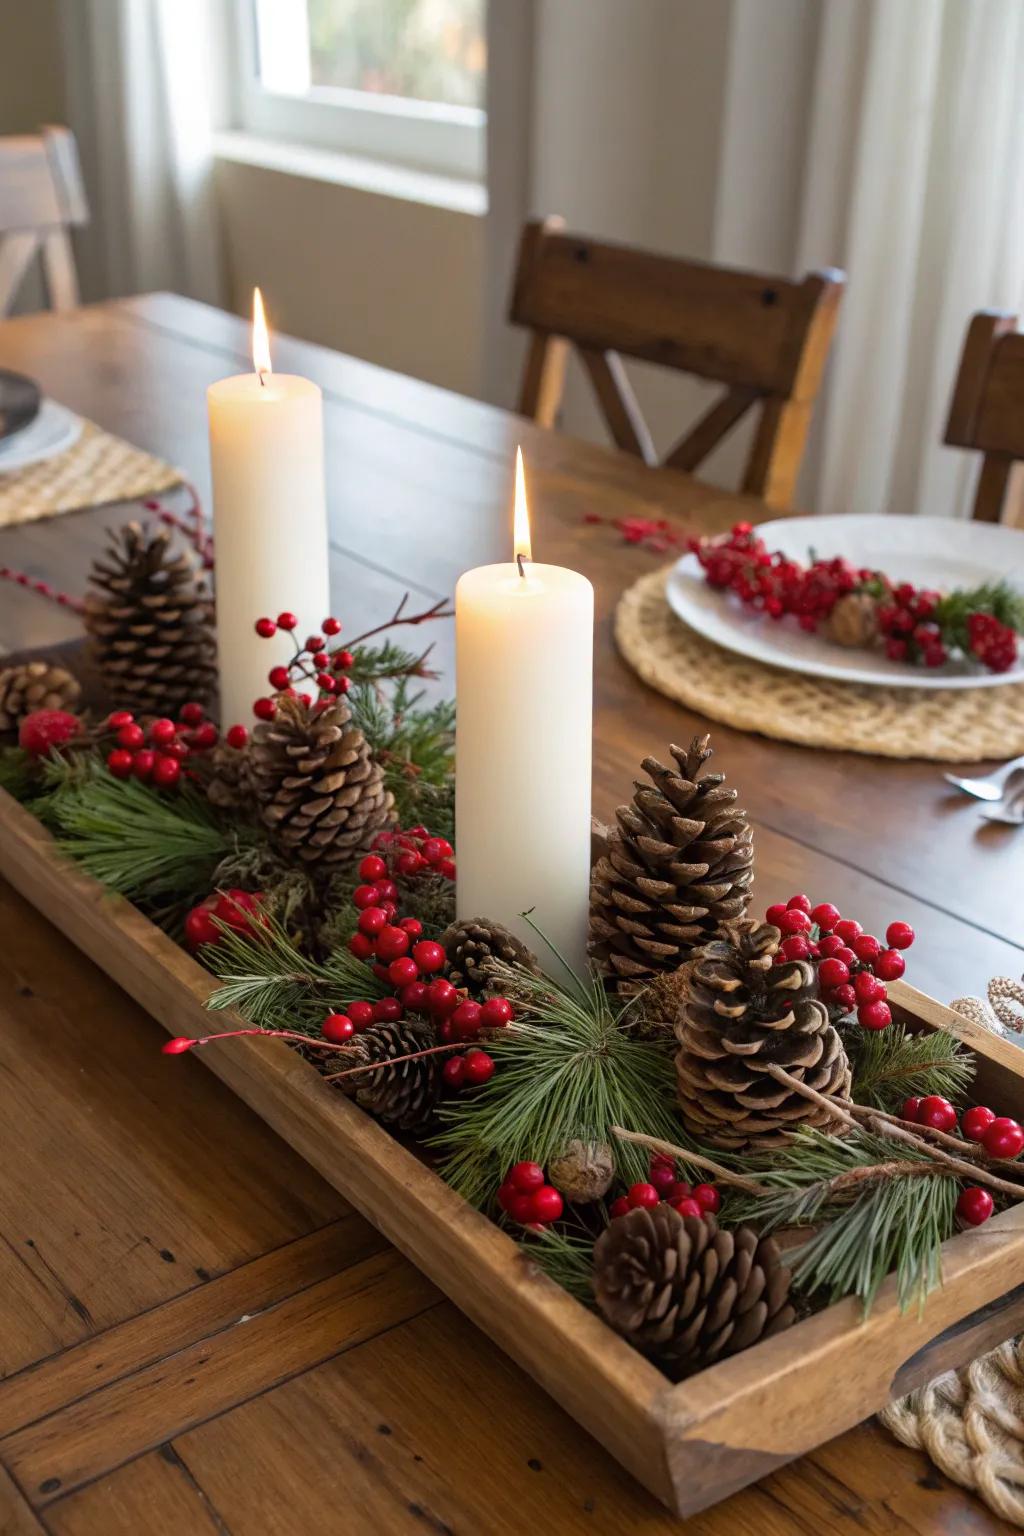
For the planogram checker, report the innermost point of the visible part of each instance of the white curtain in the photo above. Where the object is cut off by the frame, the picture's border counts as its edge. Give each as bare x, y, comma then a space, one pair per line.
144, 84
914, 184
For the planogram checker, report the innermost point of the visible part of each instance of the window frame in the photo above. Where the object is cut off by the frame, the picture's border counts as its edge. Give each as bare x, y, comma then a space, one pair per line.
422, 135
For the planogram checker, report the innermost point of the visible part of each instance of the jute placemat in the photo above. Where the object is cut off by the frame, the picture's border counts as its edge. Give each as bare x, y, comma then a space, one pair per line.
97, 469
946, 725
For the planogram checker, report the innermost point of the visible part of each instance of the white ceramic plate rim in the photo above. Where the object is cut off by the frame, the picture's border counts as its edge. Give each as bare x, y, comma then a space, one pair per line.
54, 430
932, 551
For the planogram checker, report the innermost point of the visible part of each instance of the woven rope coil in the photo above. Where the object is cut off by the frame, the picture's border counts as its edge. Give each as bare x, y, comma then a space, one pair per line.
99, 468
942, 725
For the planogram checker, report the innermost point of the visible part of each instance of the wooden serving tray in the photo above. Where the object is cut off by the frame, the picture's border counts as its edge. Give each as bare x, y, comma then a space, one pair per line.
690, 1444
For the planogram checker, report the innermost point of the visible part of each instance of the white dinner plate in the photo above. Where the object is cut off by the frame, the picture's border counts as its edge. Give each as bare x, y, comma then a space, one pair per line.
928, 551
53, 431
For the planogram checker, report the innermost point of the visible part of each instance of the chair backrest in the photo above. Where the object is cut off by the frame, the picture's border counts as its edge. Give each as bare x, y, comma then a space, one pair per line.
41, 197
765, 338
987, 409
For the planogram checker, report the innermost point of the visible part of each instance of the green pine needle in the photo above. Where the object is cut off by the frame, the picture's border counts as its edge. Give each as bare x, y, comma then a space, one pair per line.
273, 985
565, 1258
415, 745
568, 1068
892, 1064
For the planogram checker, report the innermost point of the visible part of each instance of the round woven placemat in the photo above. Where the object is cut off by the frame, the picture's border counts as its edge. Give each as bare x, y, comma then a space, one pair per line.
947, 725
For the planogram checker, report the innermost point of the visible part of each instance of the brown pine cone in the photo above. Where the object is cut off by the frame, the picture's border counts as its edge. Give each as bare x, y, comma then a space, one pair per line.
653, 1016
687, 1292
404, 1096
741, 1014
317, 786
33, 685
679, 863
229, 785
150, 618
473, 946
853, 621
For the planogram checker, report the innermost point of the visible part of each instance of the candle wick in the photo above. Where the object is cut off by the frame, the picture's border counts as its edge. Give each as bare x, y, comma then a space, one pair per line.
261, 375
519, 561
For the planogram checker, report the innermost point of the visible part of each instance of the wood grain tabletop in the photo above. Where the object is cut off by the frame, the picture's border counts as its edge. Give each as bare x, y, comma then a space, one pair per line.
196, 1333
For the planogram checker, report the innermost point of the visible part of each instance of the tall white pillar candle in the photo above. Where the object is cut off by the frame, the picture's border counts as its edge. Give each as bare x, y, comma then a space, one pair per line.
524, 691
269, 520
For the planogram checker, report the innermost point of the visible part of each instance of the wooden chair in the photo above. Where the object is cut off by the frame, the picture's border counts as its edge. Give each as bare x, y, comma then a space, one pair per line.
765, 338
41, 198
987, 409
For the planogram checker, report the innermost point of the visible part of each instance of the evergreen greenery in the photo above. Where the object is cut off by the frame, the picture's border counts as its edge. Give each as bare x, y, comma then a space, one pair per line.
415, 745
566, 1258
274, 985
892, 1064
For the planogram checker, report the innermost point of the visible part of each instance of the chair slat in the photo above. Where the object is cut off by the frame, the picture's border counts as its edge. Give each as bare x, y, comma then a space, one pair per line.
986, 411
41, 197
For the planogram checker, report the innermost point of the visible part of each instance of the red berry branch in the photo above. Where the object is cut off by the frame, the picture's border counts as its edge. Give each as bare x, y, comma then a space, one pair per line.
853, 966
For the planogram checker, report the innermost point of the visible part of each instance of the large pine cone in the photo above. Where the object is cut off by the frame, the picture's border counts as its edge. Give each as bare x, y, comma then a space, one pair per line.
34, 685
473, 945
741, 1014
678, 864
318, 788
404, 1096
687, 1292
150, 617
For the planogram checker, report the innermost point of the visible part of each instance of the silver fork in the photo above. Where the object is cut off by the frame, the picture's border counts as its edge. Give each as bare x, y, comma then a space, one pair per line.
1010, 811
991, 788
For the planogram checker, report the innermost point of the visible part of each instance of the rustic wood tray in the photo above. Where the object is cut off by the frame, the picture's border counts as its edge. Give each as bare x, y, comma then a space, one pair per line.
690, 1444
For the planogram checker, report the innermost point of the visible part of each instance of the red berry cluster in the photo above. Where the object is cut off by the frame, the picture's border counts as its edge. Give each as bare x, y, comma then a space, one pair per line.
664, 1183
853, 966
156, 753
994, 644
240, 910
416, 852
528, 1198
312, 663
1000, 1136
907, 625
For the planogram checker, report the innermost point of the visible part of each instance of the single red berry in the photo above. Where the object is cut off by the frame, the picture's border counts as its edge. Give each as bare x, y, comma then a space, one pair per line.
680, 1190
373, 868
403, 971
466, 1020
890, 965
286, 621
506, 1194
372, 921
192, 713
847, 928
829, 945
974, 1122
938, 1113
794, 921
826, 916
689, 1207
388, 890
315, 643
431, 850
446, 868
331, 626
442, 998
142, 763
874, 1015
899, 935
361, 946
412, 926
479, 1067
618, 1207
131, 736
387, 1010
642, 1195
774, 912
278, 677
163, 731
408, 863
178, 1046
453, 1072
868, 988
429, 956
120, 717
265, 628
495, 1013
843, 997
337, 1027
796, 947
1004, 1138
361, 1014
866, 947
525, 1177
846, 955
521, 1209
662, 1176
205, 736
200, 927
365, 896
237, 736
799, 903
833, 973
391, 942
910, 1110
343, 660
264, 709
119, 763
447, 851
974, 1205
707, 1196
545, 1203
414, 996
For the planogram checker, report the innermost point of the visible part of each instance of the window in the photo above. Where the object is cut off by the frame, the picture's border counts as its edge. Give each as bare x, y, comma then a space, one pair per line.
398, 80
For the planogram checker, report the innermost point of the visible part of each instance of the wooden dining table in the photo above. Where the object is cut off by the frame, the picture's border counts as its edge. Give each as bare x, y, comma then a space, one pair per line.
197, 1334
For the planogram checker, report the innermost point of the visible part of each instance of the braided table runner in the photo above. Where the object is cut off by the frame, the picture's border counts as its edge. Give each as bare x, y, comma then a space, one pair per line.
943, 725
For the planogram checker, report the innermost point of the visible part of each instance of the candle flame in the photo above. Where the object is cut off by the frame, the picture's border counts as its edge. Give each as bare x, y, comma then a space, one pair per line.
260, 339
522, 549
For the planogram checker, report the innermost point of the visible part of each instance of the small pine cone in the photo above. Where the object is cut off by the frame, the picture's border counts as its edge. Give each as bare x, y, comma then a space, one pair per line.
853, 621
678, 863
582, 1171
740, 1015
150, 618
35, 685
229, 786
474, 945
316, 783
404, 1096
687, 1292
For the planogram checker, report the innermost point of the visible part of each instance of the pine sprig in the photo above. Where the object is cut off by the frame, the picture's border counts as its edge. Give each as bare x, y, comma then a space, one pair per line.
892, 1065
388, 662
997, 598
565, 1258
568, 1068
273, 985
414, 743
870, 1218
